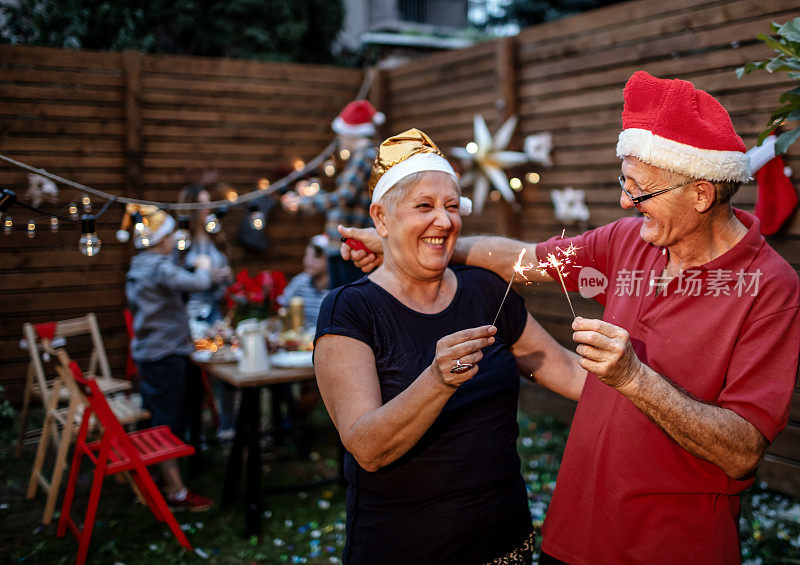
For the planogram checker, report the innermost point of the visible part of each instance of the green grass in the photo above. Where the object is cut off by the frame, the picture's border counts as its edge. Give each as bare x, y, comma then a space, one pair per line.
299, 527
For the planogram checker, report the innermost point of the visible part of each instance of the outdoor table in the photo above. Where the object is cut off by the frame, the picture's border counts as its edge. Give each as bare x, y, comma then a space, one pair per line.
247, 432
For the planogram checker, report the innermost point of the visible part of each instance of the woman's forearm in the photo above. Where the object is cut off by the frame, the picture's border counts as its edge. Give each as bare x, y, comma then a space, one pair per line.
497, 254
385, 434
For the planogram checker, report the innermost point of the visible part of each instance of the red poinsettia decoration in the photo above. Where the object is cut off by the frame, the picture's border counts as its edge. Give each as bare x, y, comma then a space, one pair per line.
255, 297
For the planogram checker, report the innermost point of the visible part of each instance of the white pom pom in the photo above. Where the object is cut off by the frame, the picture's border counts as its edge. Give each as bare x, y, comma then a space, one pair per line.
787, 171
465, 206
378, 118
123, 236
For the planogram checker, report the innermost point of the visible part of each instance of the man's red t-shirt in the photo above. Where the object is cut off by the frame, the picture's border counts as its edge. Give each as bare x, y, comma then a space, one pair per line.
728, 333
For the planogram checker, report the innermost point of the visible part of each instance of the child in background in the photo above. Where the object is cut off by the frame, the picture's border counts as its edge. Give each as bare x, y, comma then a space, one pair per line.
162, 344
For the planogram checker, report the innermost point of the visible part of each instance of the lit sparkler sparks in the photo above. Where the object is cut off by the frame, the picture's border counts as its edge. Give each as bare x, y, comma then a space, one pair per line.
518, 268
558, 261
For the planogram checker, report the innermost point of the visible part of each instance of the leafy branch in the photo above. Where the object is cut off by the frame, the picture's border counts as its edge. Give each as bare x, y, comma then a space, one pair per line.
787, 46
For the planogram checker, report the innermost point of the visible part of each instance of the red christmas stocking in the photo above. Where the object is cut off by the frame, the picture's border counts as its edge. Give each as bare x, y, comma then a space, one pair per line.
777, 197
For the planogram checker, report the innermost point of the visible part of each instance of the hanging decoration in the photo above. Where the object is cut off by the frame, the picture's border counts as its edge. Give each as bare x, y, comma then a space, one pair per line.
41, 189
538, 147
489, 158
570, 205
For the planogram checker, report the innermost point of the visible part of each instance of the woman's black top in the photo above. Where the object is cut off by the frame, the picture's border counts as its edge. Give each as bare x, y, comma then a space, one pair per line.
457, 496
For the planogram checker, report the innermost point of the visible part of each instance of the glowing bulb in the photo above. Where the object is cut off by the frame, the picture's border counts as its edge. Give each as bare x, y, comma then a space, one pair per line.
54, 224
87, 203
494, 196
183, 235
257, 220
263, 184
329, 169
73, 210
213, 225
515, 183
89, 244
231, 195
31, 229
472, 147
299, 164
141, 231
8, 225
533, 178
344, 154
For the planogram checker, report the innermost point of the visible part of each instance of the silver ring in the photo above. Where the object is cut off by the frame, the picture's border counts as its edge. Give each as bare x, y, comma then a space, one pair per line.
460, 367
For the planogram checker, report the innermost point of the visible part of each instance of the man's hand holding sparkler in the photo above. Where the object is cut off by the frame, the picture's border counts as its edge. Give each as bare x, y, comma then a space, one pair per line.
606, 351
369, 240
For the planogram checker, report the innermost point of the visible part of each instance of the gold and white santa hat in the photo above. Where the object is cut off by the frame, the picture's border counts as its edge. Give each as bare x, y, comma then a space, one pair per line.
405, 154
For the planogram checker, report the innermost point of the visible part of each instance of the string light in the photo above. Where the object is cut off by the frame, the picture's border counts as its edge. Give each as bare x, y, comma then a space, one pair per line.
515, 183
8, 225
141, 231
533, 178
87, 203
231, 195
213, 220
73, 210
344, 154
299, 165
263, 184
89, 244
257, 218
31, 229
472, 147
183, 235
54, 224
329, 169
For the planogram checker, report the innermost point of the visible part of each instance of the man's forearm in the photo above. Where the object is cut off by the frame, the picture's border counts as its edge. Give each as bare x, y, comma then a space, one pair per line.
709, 432
497, 254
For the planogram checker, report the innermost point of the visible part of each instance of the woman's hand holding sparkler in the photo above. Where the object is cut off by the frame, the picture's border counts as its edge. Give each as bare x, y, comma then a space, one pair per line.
606, 351
457, 355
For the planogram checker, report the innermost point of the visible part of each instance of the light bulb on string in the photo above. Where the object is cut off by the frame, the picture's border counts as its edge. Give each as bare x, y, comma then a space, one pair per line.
344, 154
183, 235
87, 203
298, 164
214, 220
141, 231
257, 218
329, 168
73, 210
89, 243
8, 225
54, 224
31, 229
263, 184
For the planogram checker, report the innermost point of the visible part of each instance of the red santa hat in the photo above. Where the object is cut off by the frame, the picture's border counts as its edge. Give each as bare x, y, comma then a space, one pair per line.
358, 119
671, 125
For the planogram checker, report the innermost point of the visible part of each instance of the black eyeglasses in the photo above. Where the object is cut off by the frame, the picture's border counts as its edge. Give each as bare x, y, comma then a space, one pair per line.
639, 199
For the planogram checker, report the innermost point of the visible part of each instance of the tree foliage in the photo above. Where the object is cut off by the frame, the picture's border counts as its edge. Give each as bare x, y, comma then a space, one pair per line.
283, 30
787, 59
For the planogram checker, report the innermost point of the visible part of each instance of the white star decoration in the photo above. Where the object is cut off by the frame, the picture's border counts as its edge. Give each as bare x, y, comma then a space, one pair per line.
570, 205
490, 158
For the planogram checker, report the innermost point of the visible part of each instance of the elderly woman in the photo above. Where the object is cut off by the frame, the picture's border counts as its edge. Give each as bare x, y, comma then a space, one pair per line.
422, 390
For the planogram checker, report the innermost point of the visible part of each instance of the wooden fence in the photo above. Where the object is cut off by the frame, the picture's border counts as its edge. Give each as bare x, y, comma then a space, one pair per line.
143, 126
131, 124
566, 77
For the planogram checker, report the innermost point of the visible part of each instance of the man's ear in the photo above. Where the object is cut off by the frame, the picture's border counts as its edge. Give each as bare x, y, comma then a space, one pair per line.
705, 194
377, 212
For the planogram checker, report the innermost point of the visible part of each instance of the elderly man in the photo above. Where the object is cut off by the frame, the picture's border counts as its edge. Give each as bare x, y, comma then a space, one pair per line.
691, 370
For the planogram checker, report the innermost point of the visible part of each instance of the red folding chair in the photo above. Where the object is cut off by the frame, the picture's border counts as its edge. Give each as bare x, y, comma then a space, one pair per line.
117, 451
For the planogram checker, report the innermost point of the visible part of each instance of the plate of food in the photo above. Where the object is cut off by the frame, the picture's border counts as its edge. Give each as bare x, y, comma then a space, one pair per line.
291, 359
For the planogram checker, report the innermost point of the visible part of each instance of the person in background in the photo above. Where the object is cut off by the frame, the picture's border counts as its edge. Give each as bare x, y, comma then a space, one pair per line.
162, 343
204, 306
313, 283
349, 203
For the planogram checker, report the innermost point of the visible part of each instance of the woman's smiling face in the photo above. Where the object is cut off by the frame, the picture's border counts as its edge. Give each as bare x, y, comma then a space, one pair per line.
422, 228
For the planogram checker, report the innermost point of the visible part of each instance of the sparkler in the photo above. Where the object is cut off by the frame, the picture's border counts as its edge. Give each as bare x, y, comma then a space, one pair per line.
518, 268
558, 264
